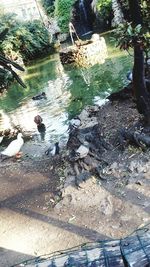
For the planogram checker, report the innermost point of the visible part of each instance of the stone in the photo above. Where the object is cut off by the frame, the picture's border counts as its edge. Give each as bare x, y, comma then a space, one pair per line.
106, 206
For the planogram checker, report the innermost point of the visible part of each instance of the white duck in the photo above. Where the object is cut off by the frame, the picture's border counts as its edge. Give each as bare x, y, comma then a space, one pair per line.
14, 147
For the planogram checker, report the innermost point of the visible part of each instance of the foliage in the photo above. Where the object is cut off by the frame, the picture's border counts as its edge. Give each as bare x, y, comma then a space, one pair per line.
128, 34
125, 9
104, 8
7, 67
63, 13
145, 6
135, 33
48, 6
29, 39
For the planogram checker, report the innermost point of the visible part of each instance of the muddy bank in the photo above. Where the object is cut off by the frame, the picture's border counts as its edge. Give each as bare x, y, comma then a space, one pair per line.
42, 208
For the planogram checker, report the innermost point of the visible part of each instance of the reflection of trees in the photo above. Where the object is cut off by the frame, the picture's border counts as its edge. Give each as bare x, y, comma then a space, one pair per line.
36, 78
47, 75
96, 81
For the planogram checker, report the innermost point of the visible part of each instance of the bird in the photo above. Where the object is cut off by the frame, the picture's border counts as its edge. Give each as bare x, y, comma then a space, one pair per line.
40, 96
14, 147
41, 128
129, 76
53, 149
38, 119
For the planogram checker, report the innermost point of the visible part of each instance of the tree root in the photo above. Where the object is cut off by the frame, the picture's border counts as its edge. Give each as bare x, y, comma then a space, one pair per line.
134, 137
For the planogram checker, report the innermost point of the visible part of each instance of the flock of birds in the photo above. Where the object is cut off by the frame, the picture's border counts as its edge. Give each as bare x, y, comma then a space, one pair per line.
15, 146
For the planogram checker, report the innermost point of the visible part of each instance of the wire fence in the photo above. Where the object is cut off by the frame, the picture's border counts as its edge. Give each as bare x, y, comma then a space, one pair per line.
132, 251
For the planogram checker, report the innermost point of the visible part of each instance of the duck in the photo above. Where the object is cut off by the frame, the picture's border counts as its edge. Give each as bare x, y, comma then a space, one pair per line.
40, 96
53, 149
14, 147
40, 126
38, 119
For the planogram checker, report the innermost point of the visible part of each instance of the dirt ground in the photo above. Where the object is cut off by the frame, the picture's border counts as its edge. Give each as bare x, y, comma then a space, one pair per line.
41, 209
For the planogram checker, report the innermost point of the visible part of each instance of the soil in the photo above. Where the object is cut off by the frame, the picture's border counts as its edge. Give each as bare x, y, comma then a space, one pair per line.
43, 211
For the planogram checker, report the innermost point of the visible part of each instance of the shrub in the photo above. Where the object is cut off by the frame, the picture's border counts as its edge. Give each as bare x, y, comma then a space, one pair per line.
63, 10
29, 39
48, 6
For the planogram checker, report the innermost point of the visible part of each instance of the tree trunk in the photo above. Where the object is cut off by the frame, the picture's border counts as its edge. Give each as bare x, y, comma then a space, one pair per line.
140, 91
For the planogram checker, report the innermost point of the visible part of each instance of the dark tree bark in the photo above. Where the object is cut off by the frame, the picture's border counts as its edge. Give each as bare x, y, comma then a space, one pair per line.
140, 91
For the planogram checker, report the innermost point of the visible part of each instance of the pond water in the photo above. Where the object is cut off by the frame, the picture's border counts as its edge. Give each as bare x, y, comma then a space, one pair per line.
67, 89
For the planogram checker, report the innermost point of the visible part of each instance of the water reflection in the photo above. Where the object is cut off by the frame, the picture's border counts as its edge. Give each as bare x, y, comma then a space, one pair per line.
20, 109
67, 92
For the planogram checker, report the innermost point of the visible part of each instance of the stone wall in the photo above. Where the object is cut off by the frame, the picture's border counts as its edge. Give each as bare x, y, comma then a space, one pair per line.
86, 53
93, 53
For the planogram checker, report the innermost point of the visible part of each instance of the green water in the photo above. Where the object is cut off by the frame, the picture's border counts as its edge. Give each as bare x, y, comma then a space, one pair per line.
68, 91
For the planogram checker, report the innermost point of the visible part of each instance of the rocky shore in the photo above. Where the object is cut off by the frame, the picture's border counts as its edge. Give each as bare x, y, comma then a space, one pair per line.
73, 200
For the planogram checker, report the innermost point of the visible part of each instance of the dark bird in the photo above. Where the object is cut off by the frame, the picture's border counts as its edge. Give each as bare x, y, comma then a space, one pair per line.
38, 119
129, 76
40, 126
53, 149
40, 96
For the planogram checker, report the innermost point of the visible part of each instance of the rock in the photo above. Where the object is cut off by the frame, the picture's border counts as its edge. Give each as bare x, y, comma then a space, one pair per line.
69, 181
86, 119
133, 166
83, 150
106, 206
114, 165
66, 200
82, 177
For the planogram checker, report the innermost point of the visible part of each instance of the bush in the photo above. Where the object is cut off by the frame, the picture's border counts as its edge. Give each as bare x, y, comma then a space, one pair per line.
28, 39
104, 10
48, 6
63, 10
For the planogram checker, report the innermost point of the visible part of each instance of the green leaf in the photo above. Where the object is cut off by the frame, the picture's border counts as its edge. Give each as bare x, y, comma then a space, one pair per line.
138, 28
19, 80
129, 30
